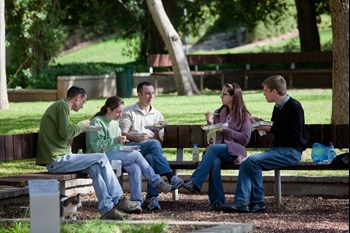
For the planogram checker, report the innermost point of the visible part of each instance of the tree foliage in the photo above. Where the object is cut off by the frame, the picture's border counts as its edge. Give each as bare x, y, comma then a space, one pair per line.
37, 30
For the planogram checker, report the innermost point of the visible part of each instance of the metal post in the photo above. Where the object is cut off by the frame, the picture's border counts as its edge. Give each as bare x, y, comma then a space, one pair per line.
277, 187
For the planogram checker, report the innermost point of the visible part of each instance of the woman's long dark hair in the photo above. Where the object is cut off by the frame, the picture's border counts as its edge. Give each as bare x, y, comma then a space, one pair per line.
112, 102
239, 109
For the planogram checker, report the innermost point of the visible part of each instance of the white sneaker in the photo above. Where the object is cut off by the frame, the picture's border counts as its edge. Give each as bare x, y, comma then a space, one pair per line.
176, 182
153, 203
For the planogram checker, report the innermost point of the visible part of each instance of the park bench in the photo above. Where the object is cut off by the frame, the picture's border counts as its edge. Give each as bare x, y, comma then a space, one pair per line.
179, 137
245, 65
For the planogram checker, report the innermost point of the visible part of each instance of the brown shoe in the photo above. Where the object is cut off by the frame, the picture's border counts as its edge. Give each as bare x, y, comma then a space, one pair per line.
114, 214
126, 206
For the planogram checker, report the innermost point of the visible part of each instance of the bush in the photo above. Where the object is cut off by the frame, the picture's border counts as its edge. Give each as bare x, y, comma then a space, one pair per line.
47, 78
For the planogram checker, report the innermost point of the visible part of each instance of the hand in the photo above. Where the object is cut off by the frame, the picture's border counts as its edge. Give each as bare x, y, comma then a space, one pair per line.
264, 128
138, 136
254, 119
209, 117
123, 139
86, 123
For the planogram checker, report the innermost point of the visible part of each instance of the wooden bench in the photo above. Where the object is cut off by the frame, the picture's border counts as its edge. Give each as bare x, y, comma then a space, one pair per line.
179, 137
245, 65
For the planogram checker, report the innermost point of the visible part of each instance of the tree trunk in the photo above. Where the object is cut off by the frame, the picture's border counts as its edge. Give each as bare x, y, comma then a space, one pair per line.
4, 102
340, 28
307, 25
182, 74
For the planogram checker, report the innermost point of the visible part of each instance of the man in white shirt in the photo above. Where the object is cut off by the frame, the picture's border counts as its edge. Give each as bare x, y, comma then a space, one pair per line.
132, 123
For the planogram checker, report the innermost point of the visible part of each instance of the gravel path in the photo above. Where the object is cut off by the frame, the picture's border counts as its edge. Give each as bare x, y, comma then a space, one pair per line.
297, 214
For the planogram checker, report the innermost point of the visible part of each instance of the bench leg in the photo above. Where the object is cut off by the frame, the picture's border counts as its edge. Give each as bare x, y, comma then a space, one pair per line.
278, 188
176, 191
120, 179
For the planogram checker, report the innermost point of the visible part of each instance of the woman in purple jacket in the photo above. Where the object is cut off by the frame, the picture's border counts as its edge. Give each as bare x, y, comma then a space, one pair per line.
229, 145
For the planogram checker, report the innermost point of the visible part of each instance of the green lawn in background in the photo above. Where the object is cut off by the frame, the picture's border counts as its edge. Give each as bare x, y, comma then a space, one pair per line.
109, 50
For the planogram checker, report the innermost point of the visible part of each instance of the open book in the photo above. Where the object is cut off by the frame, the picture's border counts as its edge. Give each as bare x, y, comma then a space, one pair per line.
255, 124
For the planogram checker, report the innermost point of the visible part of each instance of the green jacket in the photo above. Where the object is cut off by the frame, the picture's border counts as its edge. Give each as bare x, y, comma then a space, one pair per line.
54, 133
106, 138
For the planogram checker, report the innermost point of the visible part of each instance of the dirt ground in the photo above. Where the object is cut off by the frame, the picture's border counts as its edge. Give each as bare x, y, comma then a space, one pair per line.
296, 214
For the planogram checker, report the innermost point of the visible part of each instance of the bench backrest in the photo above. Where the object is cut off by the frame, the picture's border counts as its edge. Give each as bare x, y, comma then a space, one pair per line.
163, 60
23, 146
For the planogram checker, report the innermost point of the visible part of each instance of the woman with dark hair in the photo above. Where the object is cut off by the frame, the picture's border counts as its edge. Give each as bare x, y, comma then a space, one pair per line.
109, 140
229, 146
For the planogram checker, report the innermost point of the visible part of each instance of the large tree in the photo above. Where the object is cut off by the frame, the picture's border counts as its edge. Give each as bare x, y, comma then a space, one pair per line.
340, 27
4, 103
307, 25
183, 78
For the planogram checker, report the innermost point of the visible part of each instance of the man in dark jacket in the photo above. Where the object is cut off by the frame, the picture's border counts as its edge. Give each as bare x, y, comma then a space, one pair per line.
290, 140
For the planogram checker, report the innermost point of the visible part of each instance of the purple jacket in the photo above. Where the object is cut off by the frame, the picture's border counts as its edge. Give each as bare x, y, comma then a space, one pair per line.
235, 136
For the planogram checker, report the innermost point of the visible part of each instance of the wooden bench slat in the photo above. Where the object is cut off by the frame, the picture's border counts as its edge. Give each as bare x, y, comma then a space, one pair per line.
342, 136
302, 166
184, 136
22, 179
17, 147
314, 134
197, 136
2, 148
171, 136
9, 153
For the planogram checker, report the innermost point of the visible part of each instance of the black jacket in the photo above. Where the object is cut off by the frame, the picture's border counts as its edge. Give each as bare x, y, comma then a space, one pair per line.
289, 125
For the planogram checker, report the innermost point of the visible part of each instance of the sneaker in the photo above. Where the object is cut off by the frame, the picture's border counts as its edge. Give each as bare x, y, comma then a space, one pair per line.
114, 214
216, 207
190, 186
236, 207
131, 207
152, 203
164, 188
176, 182
257, 207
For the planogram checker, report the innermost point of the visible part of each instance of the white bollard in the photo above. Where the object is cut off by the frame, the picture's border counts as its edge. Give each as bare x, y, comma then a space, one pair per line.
44, 206
117, 167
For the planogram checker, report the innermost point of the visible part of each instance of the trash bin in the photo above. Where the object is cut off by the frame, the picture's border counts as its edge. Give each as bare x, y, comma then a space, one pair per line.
124, 81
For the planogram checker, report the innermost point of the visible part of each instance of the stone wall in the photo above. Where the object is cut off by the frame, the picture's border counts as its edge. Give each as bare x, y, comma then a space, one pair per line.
106, 85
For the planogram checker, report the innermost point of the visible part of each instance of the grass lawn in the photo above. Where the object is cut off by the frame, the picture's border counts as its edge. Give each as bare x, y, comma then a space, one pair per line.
91, 226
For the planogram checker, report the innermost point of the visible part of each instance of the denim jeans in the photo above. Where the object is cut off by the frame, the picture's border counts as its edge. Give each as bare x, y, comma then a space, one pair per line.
250, 187
210, 165
153, 153
135, 165
104, 181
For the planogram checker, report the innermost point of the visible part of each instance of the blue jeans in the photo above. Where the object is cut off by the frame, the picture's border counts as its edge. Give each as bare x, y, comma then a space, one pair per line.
153, 153
104, 181
210, 165
135, 165
250, 187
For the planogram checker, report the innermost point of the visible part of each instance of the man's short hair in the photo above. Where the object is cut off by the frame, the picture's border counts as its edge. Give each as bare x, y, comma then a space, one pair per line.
74, 91
276, 82
141, 85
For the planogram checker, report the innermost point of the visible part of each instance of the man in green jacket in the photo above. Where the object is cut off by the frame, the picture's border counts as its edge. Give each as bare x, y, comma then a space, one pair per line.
54, 151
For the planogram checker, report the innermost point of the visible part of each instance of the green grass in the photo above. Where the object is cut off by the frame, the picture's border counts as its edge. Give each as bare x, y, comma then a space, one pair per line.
109, 50
91, 226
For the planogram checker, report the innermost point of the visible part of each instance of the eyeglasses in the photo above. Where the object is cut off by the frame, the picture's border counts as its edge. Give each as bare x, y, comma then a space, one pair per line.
223, 94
